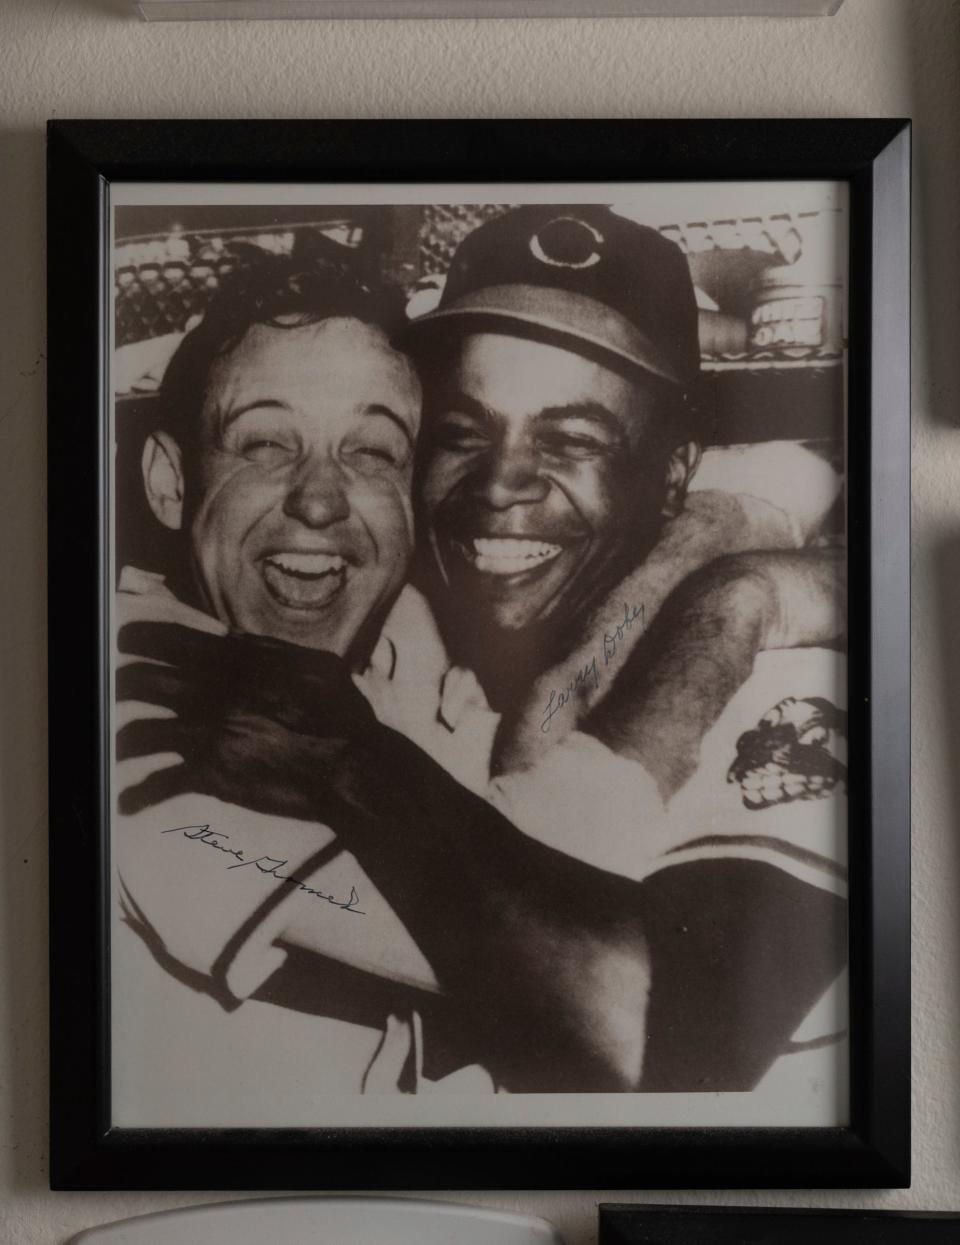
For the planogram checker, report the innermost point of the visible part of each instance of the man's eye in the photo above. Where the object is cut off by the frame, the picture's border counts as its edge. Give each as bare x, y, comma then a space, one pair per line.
371, 458
456, 435
266, 451
375, 452
572, 444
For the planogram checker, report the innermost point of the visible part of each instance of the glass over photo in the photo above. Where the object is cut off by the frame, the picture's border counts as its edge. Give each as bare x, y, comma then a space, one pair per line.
480, 641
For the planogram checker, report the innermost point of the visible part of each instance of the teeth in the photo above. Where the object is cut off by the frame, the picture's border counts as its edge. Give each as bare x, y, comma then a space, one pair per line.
308, 563
507, 555
514, 547
305, 581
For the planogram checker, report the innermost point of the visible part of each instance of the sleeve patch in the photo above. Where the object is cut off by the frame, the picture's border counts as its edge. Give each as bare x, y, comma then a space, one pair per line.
797, 751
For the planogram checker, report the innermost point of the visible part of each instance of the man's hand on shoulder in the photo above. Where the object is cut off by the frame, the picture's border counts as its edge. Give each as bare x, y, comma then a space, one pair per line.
257, 721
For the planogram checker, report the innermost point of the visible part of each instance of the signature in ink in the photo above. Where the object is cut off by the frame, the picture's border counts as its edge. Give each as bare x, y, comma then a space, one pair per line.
612, 638
270, 866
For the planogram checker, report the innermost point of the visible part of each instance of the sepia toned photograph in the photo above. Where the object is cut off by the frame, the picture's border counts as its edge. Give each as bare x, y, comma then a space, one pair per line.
479, 622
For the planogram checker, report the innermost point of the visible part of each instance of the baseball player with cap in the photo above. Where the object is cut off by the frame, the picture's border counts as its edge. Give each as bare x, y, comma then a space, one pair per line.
561, 446
558, 430
705, 761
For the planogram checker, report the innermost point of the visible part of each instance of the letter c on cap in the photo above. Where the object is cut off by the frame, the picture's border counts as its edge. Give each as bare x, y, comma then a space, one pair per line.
595, 240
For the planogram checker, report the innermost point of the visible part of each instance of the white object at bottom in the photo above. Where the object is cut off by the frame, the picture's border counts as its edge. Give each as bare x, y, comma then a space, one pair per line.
319, 1220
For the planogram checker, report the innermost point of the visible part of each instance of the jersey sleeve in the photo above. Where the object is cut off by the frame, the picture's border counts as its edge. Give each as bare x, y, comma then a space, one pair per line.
216, 890
771, 785
742, 876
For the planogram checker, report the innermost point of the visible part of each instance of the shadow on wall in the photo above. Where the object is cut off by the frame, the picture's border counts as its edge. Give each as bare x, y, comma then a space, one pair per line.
945, 607
931, 34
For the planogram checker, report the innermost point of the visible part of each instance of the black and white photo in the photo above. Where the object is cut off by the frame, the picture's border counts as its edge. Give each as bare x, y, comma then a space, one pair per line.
480, 655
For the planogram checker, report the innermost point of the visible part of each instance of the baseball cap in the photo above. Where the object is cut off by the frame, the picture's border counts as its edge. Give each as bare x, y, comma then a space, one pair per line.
582, 276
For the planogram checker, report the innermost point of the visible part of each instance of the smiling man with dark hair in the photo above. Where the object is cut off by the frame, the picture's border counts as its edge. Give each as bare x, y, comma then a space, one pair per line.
284, 456
629, 655
558, 428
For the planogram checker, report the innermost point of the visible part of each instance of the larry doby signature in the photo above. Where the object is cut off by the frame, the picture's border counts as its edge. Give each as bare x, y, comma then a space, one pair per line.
271, 866
590, 672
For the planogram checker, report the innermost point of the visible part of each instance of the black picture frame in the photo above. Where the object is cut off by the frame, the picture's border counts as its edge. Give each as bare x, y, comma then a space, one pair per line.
873, 157
738, 1225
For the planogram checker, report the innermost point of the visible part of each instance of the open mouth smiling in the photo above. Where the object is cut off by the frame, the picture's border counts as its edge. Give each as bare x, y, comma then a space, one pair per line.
304, 581
506, 555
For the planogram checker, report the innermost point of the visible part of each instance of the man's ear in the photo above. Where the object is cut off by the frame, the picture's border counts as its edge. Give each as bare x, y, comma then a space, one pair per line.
162, 466
681, 466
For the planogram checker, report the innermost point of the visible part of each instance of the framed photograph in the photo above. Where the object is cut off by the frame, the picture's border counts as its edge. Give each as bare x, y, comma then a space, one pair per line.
735, 1225
479, 654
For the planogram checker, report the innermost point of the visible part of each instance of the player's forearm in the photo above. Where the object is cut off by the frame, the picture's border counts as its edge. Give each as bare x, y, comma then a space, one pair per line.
702, 649
809, 596
546, 955
711, 525
691, 664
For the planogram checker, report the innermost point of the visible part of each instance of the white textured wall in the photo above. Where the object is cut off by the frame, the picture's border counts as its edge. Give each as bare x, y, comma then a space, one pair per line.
89, 58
